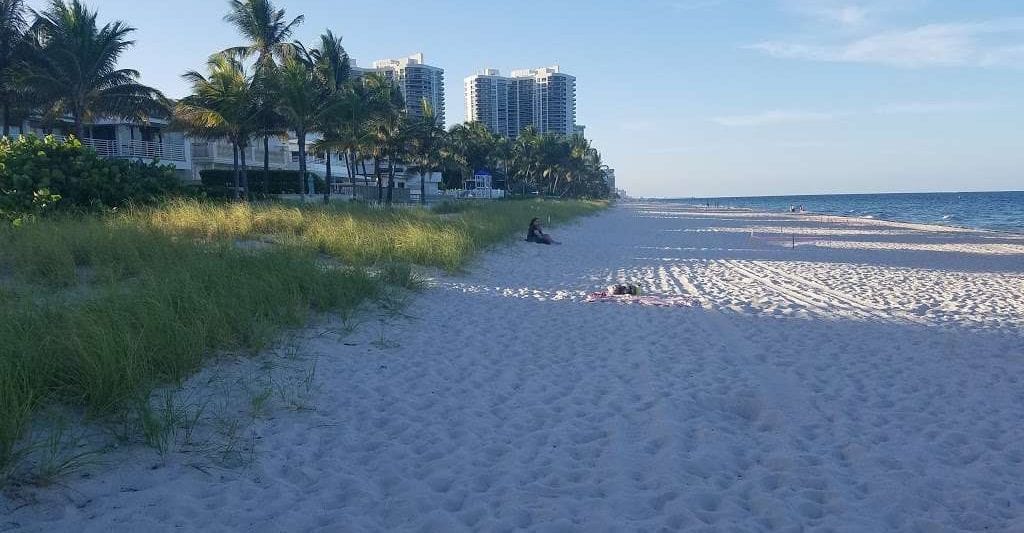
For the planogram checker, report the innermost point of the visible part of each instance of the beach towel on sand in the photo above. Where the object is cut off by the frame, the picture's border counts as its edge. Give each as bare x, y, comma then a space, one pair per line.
651, 299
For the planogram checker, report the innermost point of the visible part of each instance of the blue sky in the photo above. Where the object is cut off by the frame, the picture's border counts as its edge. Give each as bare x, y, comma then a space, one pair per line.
702, 97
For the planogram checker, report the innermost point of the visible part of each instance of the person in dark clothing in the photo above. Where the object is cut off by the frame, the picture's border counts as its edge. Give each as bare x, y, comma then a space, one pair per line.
537, 235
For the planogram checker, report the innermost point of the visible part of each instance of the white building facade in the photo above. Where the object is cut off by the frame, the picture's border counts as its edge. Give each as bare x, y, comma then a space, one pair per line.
149, 141
544, 98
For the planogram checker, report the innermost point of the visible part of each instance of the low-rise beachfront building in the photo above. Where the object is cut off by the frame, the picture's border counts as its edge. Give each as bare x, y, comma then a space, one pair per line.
153, 141
544, 98
148, 141
284, 155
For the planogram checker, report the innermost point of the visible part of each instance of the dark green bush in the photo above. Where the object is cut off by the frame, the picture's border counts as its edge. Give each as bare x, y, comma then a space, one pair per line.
218, 182
449, 207
40, 175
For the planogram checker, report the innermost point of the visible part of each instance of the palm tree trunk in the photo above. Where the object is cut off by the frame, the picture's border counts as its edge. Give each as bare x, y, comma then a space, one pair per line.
266, 164
350, 165
245, 174
423, 188
329, 179
302, 164
391, 179
79, 127
364, 169
7, 118
234, 148
380, 184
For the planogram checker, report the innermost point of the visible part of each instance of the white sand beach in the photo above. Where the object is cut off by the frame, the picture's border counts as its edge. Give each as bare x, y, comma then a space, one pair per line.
871, 378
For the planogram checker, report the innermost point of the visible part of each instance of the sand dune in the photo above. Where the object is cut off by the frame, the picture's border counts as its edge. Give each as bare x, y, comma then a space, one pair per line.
869, 379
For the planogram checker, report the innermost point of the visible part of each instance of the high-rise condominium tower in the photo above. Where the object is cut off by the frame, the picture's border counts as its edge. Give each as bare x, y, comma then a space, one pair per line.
544, 98
417, 81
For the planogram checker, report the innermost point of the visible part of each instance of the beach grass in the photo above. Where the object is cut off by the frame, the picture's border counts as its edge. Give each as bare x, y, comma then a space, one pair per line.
366, 235
97, 311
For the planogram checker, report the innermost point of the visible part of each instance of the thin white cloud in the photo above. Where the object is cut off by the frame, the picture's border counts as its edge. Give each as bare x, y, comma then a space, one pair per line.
848, 14
682, 6
1004, 56
948, 45
776, 116
923, 108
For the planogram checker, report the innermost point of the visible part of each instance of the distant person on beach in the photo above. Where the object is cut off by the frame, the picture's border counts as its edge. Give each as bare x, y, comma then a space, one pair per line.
537, 235
628, 289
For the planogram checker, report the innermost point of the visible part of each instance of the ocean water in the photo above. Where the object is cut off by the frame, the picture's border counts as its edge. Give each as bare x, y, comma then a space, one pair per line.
1001, 211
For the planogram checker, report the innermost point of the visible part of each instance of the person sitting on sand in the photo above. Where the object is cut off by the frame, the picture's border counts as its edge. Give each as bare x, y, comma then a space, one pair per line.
628, 289
537, 235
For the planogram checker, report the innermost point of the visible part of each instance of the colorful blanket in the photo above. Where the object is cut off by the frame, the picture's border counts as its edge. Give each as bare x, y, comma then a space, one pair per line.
648, 299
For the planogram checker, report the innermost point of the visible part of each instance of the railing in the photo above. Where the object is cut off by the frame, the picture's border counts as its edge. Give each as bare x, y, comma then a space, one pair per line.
310, 159
137, 149
224, 153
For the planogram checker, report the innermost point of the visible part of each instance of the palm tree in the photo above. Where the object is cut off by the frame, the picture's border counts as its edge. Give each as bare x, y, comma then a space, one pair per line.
268, 32
476, 146
353, 136
266, 29
223, 105
300, 101
66, 38
332, 68
13, 27
388, 133
426, 145
385, 127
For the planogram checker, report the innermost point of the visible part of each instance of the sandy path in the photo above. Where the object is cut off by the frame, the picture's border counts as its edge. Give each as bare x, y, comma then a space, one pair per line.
871, 382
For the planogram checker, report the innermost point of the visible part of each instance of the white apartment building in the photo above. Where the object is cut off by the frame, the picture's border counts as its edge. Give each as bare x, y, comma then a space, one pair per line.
417, 81
544, 98
488, 96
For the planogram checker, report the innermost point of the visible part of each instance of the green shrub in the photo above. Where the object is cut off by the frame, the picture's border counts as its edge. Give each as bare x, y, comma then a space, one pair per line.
40, 175
218, 182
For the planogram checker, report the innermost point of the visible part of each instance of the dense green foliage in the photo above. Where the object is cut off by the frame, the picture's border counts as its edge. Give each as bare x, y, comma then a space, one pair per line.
534, 163
217, 183
69, 67
39, 175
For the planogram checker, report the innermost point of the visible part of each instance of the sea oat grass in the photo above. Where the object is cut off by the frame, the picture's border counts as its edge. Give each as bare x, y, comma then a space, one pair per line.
97, 311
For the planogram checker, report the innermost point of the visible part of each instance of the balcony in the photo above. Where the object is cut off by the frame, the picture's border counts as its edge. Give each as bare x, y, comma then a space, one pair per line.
313, 160
223, 153
138, 149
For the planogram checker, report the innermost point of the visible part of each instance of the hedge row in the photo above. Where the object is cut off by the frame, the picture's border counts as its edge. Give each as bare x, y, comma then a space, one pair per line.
218, 183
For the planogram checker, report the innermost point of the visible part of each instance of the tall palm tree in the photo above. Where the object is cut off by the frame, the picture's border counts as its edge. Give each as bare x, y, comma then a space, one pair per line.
388, 133
300, 101
223, 105
385, 127
73, 67
353, 135
332, 69
13, 26
426, 149
268, 34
